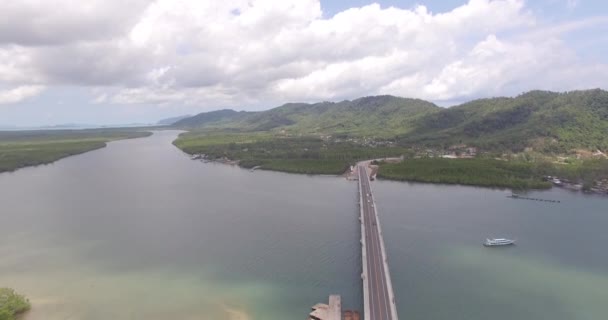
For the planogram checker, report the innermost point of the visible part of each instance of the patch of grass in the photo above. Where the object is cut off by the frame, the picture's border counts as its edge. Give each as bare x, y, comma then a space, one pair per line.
12, 304
20, 149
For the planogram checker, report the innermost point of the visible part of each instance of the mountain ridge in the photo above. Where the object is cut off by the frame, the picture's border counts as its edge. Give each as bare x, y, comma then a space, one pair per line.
172, 120
545, 120
374, 115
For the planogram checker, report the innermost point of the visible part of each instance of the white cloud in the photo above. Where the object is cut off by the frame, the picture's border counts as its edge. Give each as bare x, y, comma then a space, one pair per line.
260, 52
18, 94
35, 22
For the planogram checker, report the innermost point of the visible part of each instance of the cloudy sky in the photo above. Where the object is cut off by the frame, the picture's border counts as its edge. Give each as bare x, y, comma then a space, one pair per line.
124, 61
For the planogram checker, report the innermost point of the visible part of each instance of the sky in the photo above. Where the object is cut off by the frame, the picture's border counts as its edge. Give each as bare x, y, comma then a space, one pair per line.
139, 61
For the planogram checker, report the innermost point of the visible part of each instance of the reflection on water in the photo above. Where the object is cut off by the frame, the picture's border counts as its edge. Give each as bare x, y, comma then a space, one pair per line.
139, 231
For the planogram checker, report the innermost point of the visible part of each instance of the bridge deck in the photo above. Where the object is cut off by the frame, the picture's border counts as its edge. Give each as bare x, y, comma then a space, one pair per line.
379, 301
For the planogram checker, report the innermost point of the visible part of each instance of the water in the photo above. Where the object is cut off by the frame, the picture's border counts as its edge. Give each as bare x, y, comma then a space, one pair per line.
557, 270
139, 231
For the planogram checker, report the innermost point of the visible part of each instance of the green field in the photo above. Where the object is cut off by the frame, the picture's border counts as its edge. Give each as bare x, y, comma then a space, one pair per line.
12, 304
20, 149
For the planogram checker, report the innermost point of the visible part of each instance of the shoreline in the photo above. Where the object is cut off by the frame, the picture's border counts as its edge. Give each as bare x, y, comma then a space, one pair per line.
45, 163
73, 148
347, 174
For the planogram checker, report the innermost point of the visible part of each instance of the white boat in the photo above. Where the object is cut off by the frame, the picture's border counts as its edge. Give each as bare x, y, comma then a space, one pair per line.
498, 242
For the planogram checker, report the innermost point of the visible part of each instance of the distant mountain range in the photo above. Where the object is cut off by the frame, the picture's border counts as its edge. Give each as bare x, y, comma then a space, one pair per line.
545, 121
170, 121
373, 116
73, 126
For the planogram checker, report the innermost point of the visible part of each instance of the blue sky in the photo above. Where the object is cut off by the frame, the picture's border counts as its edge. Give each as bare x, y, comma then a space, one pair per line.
550, 10
591, 43
107, 63
334, 6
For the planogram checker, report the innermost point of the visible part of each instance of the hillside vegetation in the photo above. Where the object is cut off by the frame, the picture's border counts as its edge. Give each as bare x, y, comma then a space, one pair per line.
533, 131
381, 116
548, 122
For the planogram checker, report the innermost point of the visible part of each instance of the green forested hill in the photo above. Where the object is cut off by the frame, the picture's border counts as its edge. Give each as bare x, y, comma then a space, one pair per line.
380, 116
546, 121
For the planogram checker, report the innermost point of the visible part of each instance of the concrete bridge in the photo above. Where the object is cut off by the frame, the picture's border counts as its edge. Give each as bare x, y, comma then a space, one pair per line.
378, 296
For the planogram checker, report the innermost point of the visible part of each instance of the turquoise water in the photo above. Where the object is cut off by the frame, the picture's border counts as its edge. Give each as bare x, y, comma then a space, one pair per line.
139, 231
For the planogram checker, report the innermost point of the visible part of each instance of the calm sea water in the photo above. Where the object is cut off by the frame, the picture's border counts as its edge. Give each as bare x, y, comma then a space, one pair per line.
139, 231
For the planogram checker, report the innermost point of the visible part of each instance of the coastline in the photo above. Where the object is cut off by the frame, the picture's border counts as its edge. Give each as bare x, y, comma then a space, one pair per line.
376, 171
44, 150
347, 174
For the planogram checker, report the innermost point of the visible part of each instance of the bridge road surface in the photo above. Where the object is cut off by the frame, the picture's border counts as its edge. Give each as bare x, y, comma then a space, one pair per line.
379, 301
